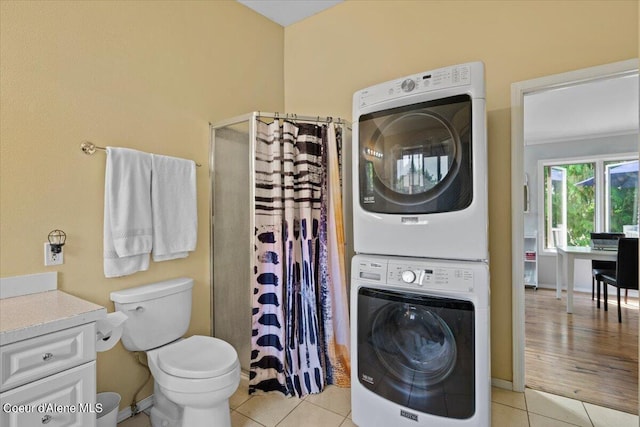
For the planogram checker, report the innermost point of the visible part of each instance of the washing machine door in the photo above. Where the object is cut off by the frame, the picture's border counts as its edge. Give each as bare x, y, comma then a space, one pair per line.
417, 158
418, 351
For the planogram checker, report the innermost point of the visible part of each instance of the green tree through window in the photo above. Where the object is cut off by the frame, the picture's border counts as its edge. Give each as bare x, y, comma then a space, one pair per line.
574, 188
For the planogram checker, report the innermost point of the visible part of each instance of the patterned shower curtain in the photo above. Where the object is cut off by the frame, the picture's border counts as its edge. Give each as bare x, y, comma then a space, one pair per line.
334, 300
297, 319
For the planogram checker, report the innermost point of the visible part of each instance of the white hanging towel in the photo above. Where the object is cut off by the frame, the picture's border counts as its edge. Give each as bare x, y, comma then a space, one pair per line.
174, 207
128, 231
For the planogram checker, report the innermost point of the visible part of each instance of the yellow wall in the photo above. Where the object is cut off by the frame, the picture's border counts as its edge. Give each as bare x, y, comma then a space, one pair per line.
144, 75
151, 76
359, 43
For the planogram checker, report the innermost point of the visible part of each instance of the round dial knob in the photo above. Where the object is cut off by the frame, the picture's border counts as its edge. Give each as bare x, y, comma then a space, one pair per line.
408, 85
408, 276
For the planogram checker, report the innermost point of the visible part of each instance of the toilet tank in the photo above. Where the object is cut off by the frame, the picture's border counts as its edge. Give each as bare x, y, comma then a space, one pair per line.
157, 313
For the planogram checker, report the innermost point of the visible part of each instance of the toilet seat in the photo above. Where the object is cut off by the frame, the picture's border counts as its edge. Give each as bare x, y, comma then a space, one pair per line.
198, 357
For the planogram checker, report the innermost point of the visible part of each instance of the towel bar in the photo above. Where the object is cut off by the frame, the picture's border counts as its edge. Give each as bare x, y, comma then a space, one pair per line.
90, 148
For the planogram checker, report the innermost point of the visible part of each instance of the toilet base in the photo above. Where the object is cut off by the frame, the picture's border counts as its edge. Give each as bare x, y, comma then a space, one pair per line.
197, 417
164, 413
192, 417
160, 419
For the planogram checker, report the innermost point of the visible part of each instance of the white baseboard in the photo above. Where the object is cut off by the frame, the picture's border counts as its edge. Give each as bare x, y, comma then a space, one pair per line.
497, 382
584, 289
144, 404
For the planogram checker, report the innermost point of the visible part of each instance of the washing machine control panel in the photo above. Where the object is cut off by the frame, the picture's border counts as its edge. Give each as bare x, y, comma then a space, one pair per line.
409, 276
415, 275
430, 277
372, 271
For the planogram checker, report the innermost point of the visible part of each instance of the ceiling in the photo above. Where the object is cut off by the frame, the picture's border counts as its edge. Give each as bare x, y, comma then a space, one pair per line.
287, 12
597, 108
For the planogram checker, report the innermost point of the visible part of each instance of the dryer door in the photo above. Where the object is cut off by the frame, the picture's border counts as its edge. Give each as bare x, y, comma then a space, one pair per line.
417, 158
418, 351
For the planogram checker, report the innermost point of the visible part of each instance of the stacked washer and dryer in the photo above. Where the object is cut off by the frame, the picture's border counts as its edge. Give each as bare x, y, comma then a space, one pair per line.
420, 276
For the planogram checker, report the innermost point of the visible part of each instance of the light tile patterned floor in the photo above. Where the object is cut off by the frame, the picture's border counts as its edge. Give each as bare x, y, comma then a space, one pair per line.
332, 408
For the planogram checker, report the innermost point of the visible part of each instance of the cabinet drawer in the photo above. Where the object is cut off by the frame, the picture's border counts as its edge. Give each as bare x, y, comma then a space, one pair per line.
35, 358
65, 399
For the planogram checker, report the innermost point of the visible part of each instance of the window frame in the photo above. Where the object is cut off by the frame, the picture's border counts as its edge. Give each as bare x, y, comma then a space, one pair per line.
600, 193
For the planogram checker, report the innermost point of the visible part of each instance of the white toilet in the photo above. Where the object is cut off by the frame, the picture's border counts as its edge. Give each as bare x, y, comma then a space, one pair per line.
193, 377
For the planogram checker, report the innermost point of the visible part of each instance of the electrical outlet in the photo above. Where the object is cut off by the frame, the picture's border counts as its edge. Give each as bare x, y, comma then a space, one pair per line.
50, 258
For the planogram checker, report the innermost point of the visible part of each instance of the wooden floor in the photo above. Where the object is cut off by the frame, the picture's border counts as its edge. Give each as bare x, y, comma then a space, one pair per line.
586, 355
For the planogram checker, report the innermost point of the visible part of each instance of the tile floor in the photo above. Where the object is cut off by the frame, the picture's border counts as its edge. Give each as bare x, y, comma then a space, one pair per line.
332, 408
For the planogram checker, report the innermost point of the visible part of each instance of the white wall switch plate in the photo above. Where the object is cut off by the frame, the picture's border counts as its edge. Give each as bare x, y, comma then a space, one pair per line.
50, 258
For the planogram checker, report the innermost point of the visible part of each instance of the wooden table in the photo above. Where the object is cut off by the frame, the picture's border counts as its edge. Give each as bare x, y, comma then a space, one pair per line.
565, 269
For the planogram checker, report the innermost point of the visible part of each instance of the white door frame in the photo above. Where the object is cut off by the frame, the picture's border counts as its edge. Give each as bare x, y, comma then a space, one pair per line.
518, 90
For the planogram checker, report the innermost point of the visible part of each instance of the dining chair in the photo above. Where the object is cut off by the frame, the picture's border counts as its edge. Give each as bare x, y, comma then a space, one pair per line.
626, 274
598, 268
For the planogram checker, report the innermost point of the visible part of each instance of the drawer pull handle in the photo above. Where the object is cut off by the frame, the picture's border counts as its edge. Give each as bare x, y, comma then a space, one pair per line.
46, 357
46, 419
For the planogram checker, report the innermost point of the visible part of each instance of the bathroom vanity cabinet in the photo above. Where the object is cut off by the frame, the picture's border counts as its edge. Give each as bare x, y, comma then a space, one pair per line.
47, 360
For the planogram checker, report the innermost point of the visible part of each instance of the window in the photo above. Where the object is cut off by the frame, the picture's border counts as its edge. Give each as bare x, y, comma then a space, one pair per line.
621, 196
416, 172
585, 196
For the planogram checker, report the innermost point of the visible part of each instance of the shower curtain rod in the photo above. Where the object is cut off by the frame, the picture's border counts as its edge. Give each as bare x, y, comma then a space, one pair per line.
90, 148
286, 116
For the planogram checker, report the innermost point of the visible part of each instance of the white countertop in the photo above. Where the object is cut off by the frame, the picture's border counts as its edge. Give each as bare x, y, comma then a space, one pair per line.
28, 316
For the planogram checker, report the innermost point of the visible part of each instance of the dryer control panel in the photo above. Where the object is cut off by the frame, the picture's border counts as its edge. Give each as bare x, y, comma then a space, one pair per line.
442, 78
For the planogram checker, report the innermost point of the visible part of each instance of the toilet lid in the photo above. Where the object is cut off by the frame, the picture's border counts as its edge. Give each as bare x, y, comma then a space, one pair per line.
198, 357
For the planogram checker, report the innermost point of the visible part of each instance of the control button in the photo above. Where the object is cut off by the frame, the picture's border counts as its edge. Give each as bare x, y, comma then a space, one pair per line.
408, 276
408, 85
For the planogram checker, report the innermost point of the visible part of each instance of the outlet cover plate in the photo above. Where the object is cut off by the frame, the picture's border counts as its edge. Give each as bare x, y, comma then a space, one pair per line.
50, 258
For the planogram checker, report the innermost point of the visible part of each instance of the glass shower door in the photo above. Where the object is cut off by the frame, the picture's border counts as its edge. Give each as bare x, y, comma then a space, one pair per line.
231, 251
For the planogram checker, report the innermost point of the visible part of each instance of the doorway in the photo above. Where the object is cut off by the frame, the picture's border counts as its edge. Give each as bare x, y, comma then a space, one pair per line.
519, 187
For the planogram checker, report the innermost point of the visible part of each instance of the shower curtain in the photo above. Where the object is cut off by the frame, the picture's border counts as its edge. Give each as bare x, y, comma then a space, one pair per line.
334, 300
300, 319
